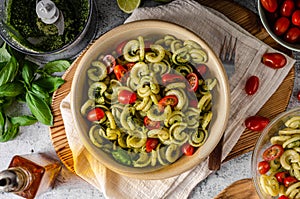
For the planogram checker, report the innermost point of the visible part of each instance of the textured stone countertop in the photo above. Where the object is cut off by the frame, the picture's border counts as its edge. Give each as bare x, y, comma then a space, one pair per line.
36, 138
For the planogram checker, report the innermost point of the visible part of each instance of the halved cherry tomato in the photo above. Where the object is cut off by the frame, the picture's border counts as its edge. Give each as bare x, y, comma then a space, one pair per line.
168, 100
280, 176
171, 78
95, 114
187, 149
193, 81
120, 47
119, 71
292, 35
151, 144
296, 18
283, 197
149, 124
269, 5
281, 25
110, 63
252, 85
127, 97
256, 123
273, 152
274, 60
129, 65
287, 8
263, 167
288, 181
202, 69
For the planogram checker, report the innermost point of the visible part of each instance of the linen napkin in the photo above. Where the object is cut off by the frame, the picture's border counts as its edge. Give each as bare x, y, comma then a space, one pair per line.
211, 26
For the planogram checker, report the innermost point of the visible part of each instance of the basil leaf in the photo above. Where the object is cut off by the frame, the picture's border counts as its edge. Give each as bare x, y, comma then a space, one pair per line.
56, 66
41, 93
9, 71
12, 89
28, 71
2, 123
39, 108
50, 83
4, 54
10, 130
5, 102
24, 120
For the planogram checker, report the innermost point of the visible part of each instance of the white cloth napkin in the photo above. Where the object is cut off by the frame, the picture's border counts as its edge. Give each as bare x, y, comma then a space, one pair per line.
212, 27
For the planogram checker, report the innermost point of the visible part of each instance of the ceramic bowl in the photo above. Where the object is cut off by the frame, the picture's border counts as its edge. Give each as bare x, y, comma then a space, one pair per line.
263, 143
150, 29
268, 20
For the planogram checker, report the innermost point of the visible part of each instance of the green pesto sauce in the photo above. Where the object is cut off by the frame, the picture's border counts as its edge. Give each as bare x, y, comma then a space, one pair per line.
43, 37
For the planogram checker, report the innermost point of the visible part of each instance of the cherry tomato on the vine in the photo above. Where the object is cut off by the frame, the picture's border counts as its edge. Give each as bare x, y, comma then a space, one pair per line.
193, 81
95, 114
252, 85
188, 149
168, 100
263, 167
151, 144
269, 5
274, 60
273, 152
149, 124
288, 181
127, 97
256, 123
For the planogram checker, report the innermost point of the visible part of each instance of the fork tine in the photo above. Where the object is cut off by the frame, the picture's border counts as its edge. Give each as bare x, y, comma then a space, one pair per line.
233, 50
223, 50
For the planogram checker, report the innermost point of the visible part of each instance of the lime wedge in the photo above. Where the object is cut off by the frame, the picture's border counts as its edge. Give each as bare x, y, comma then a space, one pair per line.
128, 6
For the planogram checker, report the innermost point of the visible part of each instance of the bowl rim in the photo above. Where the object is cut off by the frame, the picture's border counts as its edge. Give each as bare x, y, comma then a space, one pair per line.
264, 21
255, 158
61, 49
223, 81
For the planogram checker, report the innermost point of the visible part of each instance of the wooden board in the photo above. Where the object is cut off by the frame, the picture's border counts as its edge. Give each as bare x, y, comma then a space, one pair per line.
275, 105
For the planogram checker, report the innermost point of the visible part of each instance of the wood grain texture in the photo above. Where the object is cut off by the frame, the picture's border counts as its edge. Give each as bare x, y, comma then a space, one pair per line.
241, 189
246, 19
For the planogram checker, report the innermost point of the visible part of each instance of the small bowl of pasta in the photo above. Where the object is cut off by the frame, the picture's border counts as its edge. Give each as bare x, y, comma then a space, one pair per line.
150, 99
276, 158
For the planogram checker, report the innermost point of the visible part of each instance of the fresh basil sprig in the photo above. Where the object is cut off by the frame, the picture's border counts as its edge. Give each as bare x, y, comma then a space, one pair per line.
22, 81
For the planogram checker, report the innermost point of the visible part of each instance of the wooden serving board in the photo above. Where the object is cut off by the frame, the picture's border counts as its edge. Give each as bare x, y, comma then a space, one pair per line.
249, 21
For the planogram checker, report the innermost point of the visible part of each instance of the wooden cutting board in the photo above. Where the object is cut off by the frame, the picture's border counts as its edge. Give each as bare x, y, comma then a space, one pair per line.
248, 20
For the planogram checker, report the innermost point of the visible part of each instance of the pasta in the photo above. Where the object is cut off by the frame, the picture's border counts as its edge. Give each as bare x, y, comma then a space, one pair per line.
289, 161
137, 90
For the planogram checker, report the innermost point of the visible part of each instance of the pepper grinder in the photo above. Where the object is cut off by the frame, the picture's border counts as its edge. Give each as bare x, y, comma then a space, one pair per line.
29, 175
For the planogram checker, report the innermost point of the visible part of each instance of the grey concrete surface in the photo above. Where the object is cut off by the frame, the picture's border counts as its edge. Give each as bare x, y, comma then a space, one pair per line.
36, 138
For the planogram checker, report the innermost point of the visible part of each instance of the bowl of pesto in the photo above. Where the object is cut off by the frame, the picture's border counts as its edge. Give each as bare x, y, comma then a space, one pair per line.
44, 27
150, 99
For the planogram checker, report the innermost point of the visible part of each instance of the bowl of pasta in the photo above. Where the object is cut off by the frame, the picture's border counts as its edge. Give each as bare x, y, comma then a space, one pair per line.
276, 158
150, 99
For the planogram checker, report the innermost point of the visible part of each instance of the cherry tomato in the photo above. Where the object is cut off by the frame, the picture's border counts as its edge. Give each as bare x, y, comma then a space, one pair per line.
263, 167
202, 69
281, 26
288, 181
292, 35
120, 47
273, 152
256, 123
280, 176
129, 65
298, 95
149, 124
110, 63
170, 78
188, 149
252, 85
274, 60
298, 3
119, 71
95, 114
193, 103
127, 97
287, 8
151, 144
296, 18
168, 100
283, 197
269, 5
193, 81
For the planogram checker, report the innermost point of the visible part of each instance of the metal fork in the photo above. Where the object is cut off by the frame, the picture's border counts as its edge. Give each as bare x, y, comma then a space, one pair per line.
227, 56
